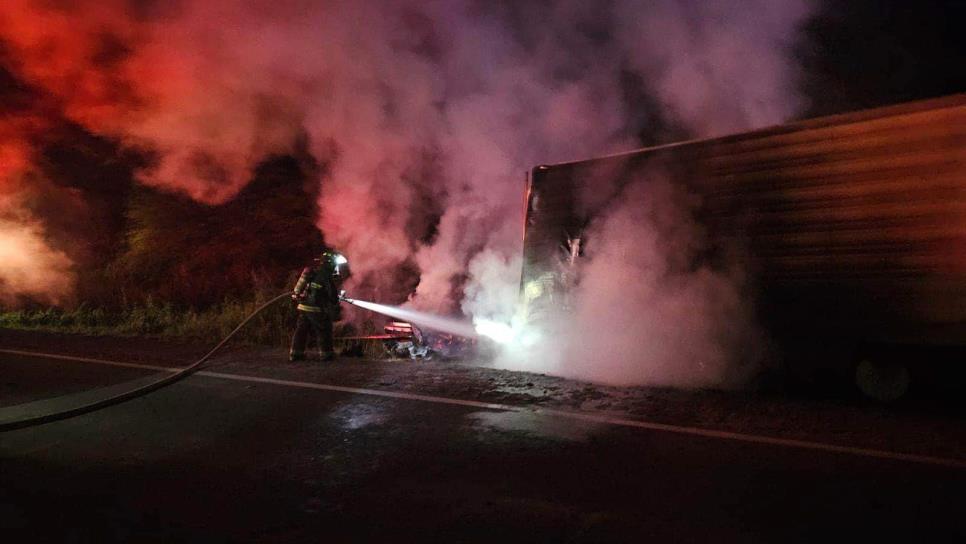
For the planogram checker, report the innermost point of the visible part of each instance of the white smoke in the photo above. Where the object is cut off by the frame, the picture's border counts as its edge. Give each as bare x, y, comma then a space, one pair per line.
640, 315
719, 66
646, 309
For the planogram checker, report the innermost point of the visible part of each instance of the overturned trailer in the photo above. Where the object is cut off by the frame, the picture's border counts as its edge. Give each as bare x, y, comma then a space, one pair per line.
854, 224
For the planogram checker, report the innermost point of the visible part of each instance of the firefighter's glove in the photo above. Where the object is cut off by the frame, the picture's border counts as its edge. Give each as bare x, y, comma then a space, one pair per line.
342, 296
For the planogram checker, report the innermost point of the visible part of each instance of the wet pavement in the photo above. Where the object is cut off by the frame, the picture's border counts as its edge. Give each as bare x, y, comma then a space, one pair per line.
262, 455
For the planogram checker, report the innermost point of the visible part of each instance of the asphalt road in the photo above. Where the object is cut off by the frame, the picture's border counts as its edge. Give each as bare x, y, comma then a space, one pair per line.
216, 458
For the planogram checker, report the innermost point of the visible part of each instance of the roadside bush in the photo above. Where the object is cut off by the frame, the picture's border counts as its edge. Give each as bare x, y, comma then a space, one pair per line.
272, 327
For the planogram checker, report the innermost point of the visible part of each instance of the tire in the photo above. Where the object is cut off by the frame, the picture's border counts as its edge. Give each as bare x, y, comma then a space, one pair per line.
885, 382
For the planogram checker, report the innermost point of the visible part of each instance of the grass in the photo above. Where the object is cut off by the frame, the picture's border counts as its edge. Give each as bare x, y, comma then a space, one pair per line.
272, 327
157, 319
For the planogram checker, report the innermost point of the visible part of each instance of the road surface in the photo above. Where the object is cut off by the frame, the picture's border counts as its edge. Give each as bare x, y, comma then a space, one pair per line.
256, 449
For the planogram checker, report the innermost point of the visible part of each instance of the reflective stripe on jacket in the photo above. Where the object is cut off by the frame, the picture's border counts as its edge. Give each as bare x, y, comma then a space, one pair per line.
314, 289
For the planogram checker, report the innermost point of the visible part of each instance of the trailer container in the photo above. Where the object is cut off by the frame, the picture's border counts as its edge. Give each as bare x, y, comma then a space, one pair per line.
854, 225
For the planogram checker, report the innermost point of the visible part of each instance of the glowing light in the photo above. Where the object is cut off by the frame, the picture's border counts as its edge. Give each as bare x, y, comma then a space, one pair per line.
340, 259
532, 290
28, 266
515, 333
499, 332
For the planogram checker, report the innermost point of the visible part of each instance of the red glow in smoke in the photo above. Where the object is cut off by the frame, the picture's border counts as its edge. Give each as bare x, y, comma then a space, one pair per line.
422, 116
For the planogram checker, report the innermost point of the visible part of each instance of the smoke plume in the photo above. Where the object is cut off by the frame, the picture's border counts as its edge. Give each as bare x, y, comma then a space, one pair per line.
424, 115
647, 307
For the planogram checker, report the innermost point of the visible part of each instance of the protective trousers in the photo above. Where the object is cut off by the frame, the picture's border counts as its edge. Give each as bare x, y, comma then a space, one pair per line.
316, 324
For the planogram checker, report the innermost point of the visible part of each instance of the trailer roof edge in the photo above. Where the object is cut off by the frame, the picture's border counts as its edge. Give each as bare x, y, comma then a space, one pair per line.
903, 108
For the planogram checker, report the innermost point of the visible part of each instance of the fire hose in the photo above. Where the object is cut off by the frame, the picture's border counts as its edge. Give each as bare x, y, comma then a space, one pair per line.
32, 421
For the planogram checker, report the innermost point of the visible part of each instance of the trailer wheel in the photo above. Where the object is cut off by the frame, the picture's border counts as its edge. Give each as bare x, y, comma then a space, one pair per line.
884, 382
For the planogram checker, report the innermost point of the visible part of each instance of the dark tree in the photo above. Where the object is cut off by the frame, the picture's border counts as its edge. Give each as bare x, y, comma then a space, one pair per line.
181, 251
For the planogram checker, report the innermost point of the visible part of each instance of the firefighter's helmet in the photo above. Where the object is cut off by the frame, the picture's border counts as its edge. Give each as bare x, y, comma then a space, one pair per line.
336, 262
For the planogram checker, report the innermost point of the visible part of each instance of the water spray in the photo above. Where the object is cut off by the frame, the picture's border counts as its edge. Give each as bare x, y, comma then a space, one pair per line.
430, 321
501, 333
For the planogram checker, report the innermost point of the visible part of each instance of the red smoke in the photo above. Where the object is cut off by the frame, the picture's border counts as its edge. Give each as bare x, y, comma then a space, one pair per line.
423, 115
163, 80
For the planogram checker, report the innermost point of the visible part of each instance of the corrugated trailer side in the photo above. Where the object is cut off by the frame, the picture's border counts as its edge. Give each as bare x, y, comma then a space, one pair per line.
855, 224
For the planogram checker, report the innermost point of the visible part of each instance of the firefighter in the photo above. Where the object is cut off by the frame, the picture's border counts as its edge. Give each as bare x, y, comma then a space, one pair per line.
317, 294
